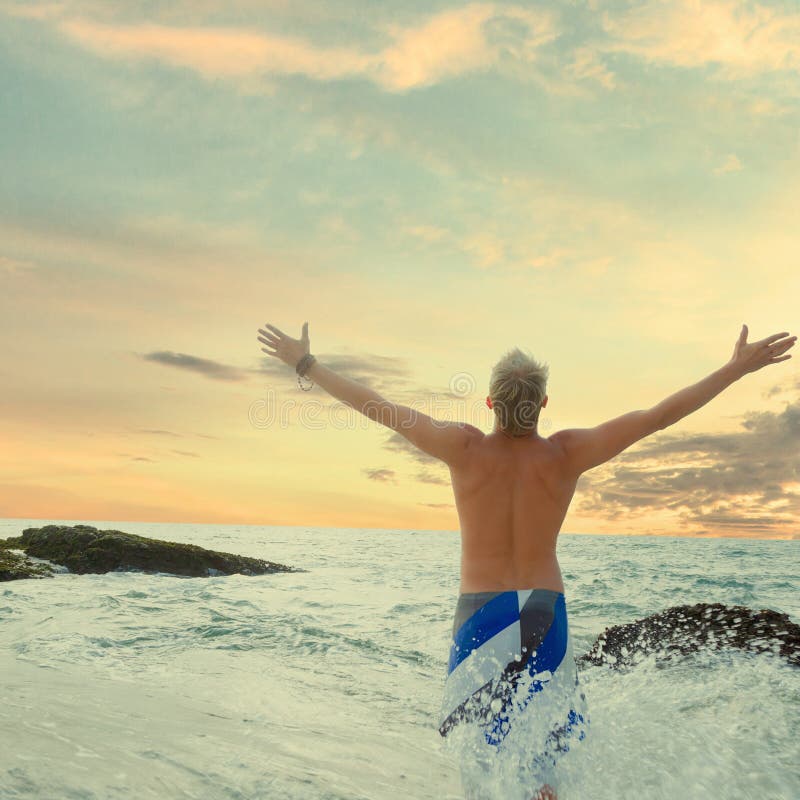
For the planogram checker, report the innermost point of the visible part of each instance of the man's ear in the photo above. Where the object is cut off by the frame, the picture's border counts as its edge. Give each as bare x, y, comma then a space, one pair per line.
488, 401
544, 402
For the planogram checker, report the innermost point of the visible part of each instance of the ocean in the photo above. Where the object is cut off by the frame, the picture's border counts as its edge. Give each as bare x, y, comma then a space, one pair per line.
326, 684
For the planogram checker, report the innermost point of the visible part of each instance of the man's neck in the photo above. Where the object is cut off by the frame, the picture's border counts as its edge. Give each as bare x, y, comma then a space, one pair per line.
534, 434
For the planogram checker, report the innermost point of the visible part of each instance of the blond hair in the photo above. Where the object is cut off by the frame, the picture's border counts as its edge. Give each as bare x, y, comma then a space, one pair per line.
517, 389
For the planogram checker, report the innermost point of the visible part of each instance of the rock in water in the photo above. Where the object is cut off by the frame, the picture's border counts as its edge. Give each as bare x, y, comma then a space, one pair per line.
681, 630
85, 549
15, 565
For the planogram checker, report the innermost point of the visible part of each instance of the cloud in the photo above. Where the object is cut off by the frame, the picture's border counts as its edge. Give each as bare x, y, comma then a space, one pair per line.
216, 52
484, 247
587, 64
186, 453
40, 11
731, 164
382, 475
747, 480
387, 375
337, 226
158, 432
202, 366
789, 385
159, 257
437, 505
451, 42
161, 432
15, 266
739, 40
429, 477
399, 444
461, 40
428, 233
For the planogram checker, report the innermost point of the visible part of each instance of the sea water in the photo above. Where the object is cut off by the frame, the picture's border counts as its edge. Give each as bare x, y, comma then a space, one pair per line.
326, 684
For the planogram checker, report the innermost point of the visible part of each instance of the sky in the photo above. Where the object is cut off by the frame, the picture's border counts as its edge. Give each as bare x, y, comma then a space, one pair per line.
611, 186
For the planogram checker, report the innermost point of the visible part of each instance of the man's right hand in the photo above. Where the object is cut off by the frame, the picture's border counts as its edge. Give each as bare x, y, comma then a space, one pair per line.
749, 357
284, 347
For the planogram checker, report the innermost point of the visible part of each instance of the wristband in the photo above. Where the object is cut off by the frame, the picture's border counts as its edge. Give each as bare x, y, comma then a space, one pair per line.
303, 365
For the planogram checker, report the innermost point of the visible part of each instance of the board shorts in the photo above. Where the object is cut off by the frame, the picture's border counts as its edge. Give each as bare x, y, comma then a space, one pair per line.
512, 704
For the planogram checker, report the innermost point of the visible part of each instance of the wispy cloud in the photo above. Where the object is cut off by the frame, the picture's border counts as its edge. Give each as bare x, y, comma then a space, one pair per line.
399, 444
588, 64
216, 52
202, 366
459, 40
381, 475
387, 375
430, 477
739, 40
452, 42
158, 432
15, 266
486, 248
731, 164
789, 385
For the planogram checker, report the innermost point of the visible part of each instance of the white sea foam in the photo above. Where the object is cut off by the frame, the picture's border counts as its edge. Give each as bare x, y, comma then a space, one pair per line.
57, 568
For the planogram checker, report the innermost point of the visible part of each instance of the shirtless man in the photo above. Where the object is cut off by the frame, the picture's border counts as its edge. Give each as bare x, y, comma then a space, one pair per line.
512, 490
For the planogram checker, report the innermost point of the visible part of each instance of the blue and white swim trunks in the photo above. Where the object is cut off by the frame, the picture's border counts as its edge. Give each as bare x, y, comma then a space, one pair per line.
512, 697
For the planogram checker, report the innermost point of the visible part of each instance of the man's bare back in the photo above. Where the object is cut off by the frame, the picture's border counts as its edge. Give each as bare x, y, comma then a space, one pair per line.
512, 496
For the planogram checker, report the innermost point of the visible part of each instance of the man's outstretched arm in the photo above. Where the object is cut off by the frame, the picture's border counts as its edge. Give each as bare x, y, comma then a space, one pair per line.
447, 441
586, 448
747, 357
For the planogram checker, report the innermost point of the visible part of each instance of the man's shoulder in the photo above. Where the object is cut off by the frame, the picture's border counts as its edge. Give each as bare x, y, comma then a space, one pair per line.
560, 443
475, 433
472, 435
560, 438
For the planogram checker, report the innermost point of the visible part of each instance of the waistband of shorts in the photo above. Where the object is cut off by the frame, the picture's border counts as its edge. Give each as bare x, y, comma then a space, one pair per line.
495, 593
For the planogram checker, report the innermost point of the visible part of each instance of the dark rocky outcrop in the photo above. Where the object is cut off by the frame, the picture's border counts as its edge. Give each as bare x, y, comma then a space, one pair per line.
15, 565
681, 630
85, 549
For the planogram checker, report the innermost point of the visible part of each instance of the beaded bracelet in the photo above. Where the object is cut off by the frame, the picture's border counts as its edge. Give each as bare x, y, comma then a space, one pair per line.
303, 365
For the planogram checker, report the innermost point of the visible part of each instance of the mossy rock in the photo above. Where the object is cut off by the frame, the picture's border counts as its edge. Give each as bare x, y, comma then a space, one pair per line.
14, 566
85, 549
680, 630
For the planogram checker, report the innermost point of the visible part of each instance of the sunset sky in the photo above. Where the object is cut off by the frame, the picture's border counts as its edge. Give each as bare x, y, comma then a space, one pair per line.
612, 186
